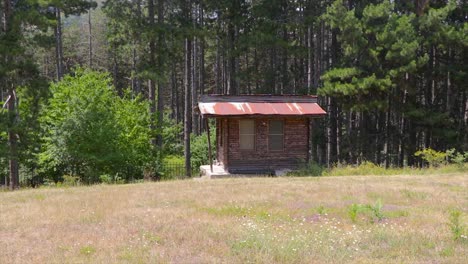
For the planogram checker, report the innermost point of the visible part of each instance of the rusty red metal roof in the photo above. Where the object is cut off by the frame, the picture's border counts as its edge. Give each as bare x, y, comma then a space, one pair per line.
260, 108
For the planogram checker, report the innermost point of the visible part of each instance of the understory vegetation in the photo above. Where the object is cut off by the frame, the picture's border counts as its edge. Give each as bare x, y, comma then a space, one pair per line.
356, 219
437, 162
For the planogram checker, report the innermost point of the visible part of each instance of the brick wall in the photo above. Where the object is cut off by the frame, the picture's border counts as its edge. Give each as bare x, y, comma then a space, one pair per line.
261, 158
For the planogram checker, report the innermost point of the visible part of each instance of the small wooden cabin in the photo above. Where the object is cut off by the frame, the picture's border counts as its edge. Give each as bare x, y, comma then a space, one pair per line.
261, 133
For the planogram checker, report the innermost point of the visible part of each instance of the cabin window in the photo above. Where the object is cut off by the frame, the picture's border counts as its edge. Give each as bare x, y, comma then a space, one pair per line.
276, 135
247, 134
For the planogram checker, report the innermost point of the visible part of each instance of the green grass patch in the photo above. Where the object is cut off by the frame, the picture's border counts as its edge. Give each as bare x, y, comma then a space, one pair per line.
414, 195
87, 250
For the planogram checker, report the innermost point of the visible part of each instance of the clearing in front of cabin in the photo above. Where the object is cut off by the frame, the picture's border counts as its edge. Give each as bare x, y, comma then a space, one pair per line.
364, 219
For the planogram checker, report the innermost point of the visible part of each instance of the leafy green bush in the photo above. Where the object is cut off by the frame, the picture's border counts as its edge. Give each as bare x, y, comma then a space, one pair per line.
199, 149
69, 180
433, 157
365, 168
376, 210
310, 169
173, 166
106, 178
458, 158
354, 210
90, 131
172, 134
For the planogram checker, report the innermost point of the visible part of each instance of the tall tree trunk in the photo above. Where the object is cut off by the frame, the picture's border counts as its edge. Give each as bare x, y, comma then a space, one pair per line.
231, 70
136, 83
194, 80
232, 29
90, 43
58, 44
12, 136
12, 142
218, 69
201, 67
161, 39
151, 81
387, 133
188, 102
309, 59
115, 70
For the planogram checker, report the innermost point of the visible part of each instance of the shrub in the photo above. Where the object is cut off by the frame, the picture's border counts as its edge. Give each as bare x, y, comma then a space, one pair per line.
106, 178
199, 149
365, 168
376, 210
89, 130
310, 169
456, 225
433, 157
69, 180
458, 158
172, 166
353, 211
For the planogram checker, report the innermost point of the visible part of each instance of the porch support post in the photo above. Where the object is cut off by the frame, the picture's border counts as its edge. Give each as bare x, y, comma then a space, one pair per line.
209, 143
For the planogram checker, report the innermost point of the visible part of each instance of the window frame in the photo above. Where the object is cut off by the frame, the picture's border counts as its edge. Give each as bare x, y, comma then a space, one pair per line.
282, 135
254, 135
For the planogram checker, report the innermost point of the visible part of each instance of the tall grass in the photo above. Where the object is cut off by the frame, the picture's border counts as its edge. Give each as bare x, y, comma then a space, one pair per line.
369, 168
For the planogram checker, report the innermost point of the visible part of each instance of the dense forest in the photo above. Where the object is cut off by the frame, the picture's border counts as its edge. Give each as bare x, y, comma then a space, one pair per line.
108, 88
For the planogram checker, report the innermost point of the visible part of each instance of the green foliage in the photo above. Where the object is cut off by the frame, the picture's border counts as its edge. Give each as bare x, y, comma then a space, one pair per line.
173, 166
379, 47
365, 168
433, 157
310, 169
458, 158
456, 226
90, 131
199, 149
108, 179
172, 136
87, 250
69, 180
375, 211
321, 210
354, 210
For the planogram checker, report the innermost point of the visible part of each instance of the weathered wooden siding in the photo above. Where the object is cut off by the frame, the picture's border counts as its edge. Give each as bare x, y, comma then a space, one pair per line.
261, 158
221, 140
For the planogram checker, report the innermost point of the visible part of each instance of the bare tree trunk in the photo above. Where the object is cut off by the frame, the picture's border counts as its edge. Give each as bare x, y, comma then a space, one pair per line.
231, 70
136, 83
387, 134
135, 86
309, 59
188, 102
58, 44
151, 82
115, 70
12, 136
194, 80
218, 70
160, 112
90, 44
201, 67
232, 31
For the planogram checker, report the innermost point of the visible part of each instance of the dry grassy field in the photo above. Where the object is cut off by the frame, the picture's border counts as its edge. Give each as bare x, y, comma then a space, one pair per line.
359, 219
